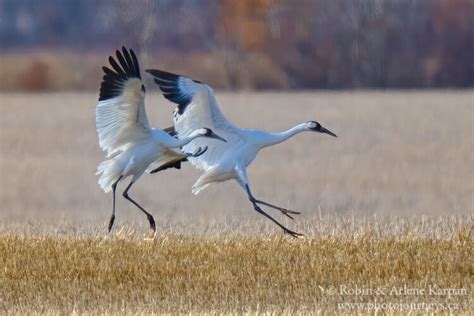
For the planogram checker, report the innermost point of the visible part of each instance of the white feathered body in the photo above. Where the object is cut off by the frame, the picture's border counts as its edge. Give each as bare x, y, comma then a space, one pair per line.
136, 158
197, 106
132, 145
125, 134
247, 145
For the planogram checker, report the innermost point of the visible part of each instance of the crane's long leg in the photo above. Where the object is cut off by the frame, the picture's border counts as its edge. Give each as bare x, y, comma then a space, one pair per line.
151, 220
284, 211
112, 217
259, 210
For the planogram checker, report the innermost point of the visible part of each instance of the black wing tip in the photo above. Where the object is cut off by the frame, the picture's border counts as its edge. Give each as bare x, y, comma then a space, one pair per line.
169, 86
128, 62
167, 76
163, 75
126, 68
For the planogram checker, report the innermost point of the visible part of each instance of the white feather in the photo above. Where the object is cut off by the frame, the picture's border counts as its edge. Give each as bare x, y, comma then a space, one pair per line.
122, 120
203, 111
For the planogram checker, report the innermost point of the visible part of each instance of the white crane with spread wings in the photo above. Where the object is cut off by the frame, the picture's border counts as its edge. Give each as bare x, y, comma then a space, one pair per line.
125, 134
197, 106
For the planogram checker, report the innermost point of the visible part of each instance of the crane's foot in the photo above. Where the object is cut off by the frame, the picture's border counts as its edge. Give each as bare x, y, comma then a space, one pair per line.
111, 223
283, 210
293, 234
151, 236
285, 230
199, 151
288, 212
151, 220
152, 233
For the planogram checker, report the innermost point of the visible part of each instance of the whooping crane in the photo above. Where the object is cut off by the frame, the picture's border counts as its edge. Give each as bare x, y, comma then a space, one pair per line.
197, 106
125, 134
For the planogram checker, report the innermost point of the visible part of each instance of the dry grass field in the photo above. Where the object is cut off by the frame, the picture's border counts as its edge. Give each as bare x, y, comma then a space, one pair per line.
177, 274
387, 210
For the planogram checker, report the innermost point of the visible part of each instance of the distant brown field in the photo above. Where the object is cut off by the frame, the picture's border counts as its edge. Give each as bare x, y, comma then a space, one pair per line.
397, 154
389, 202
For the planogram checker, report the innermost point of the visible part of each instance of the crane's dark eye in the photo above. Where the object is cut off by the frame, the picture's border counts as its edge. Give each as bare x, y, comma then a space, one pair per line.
208, 132
315, 126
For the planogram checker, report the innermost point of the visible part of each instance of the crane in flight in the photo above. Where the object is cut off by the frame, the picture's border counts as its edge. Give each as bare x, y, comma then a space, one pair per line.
197, 106
131, 144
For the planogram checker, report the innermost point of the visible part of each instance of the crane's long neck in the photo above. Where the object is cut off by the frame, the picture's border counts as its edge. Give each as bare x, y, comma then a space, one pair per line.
271, 139
184, 141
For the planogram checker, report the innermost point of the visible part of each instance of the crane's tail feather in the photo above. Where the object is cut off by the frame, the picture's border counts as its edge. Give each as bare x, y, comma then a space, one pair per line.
110, 172
211, 176
203, 182
199, 188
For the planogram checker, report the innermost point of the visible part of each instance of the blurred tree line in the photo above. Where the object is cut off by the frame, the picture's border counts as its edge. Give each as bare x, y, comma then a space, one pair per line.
264, 44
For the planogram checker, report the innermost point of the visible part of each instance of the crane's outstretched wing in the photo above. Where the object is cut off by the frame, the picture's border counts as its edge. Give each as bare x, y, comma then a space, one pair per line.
120, 113
197, 108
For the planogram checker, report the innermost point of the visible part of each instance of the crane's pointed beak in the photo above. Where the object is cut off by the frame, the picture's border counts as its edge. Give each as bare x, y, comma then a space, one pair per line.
318, 128
326, 131
214, 135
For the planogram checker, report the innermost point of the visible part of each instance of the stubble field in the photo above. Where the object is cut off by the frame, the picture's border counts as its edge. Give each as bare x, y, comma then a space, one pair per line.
388, 204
